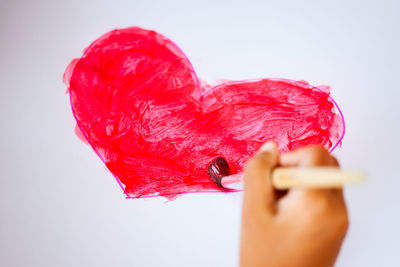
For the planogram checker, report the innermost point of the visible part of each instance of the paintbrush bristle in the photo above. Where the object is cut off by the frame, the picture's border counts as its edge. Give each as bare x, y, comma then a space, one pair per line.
217, 169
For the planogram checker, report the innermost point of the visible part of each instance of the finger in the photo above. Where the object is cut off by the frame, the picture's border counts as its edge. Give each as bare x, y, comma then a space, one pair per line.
258, 190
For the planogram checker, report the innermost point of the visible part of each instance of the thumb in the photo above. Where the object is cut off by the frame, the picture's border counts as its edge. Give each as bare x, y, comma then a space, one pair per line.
258, 190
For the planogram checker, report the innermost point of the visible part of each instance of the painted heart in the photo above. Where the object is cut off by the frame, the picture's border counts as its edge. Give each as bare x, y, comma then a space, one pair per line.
139, 104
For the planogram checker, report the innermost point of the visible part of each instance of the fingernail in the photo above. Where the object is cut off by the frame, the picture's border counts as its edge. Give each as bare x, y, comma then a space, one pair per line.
268, 146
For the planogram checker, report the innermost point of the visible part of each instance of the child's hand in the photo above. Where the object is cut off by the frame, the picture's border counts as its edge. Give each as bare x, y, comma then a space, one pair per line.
304, 228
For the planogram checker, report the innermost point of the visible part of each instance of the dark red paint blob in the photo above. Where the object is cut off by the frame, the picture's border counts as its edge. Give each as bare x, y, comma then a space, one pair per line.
139, 104
217, 169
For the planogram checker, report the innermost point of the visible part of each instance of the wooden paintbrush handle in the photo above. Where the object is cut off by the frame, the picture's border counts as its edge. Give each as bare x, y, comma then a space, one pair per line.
313, 177
306, 177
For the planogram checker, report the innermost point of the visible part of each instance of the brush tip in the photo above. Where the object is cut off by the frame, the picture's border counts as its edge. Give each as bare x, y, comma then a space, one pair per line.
217, 169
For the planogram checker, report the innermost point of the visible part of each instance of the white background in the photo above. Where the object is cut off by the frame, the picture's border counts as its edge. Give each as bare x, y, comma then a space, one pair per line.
60, 207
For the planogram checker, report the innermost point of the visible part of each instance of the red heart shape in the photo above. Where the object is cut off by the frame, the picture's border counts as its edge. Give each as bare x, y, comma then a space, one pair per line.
139, 104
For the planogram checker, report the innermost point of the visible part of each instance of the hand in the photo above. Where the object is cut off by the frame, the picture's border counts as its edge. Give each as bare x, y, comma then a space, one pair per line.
304, 228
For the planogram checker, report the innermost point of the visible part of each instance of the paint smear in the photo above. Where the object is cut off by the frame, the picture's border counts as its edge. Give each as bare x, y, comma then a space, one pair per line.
139, 104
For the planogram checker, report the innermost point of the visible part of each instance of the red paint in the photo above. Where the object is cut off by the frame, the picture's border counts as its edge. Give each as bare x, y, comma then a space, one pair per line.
140, 105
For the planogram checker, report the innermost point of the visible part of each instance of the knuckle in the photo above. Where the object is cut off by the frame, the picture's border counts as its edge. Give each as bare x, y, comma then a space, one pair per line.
335, 162
318, 155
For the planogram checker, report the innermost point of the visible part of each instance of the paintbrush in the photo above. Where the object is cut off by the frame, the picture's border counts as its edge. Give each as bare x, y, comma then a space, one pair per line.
285, 178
